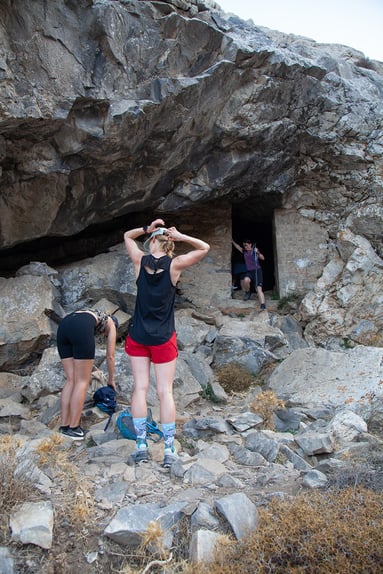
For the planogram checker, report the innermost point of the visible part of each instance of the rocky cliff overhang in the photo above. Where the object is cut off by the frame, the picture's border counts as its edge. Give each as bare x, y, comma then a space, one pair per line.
110, 108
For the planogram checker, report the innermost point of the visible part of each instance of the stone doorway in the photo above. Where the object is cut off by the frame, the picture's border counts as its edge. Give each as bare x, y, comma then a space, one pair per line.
259, 230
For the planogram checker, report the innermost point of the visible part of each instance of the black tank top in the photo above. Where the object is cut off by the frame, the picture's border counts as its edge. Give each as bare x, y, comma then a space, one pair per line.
153, 318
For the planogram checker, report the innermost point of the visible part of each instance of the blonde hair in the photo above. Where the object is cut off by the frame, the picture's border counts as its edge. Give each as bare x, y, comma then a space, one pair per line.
167, 245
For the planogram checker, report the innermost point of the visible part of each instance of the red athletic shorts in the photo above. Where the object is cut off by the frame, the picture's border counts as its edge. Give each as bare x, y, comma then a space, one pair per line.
157, 353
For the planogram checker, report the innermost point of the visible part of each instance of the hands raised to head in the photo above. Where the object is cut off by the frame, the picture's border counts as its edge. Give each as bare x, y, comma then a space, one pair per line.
154, 224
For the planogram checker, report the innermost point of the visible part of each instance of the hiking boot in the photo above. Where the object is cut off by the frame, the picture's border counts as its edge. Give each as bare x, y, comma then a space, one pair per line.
247, 296
76, 433
141, 454
170, 456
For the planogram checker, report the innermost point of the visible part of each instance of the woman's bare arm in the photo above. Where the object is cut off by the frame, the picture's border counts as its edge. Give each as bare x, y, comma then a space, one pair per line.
237, 246
134, 252
111, 336
181, 262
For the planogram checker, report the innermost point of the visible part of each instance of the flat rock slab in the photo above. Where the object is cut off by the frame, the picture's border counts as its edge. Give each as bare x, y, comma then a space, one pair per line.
317, 377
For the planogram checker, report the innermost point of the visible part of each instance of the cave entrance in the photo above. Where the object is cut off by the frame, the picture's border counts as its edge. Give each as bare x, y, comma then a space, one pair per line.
260, 230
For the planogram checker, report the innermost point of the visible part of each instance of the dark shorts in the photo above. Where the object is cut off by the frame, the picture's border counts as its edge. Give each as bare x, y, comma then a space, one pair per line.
255, 276
75, 336
157, 353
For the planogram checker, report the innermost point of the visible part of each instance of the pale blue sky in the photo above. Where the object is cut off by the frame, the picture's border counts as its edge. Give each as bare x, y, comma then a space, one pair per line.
355, 23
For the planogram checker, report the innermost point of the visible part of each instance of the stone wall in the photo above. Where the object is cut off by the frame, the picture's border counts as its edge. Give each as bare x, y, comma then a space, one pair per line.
208, 283
300, 252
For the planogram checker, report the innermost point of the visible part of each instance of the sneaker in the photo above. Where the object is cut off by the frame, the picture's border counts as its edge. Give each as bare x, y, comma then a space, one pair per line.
247, 296
170, 456
263, 307
64, 428
76, 433
141, 454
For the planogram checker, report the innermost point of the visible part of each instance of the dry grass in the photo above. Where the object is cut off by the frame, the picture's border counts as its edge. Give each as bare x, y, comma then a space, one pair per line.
74, 502
14, 486
71, 498
234, 378
153, 540
264, 405
338, 532
151, 554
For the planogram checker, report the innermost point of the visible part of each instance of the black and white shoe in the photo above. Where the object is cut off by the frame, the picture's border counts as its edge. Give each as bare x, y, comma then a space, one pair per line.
76, 433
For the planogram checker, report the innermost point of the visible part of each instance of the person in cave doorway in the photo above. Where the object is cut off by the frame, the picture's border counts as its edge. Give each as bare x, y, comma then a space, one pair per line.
253, 274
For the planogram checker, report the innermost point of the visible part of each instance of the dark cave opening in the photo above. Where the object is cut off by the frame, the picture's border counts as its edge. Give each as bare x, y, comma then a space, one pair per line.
260, 230
96, 239
56, 251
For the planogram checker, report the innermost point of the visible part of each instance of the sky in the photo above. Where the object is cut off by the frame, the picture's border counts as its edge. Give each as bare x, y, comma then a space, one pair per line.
354, 23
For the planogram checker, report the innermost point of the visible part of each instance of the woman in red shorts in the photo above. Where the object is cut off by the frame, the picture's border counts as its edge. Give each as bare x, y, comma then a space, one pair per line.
152, 337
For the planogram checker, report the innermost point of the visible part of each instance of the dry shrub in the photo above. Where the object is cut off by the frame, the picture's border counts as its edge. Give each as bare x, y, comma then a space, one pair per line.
15, 487
74, 500
368, 474
153, 540
70, 497
264, 405
151, 553
153, 556
181, 540
11, 487
332, 532
234, 378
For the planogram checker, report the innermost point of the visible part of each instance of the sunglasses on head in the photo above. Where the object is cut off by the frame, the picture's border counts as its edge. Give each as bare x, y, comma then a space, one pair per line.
159, 231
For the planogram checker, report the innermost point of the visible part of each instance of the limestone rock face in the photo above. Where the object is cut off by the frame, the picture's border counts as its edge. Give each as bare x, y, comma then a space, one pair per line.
110, 108
26, 303
347, 299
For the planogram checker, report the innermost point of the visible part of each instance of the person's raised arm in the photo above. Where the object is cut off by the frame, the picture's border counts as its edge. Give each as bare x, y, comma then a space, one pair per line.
237, 246
134, 252
259, 254
181, 262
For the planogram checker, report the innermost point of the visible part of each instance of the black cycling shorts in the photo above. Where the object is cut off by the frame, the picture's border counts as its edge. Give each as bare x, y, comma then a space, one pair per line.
75, 336
255, 276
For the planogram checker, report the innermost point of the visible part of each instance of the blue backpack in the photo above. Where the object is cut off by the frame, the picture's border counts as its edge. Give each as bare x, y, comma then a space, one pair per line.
125, 425
105, 399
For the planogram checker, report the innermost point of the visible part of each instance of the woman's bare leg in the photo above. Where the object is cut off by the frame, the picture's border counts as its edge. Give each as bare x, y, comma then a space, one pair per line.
246, 284
77, 372
261, 296
164, 382
141, 377
68, 366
